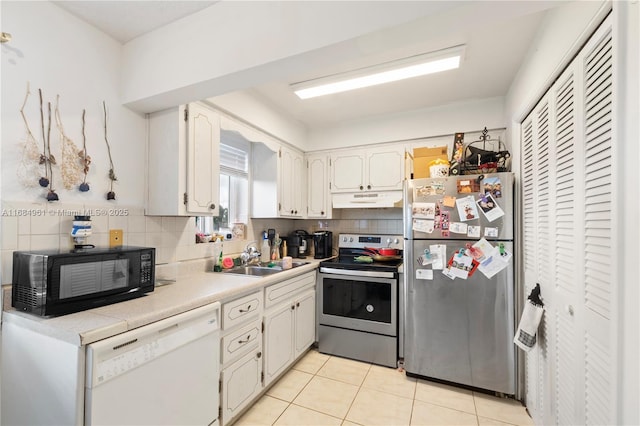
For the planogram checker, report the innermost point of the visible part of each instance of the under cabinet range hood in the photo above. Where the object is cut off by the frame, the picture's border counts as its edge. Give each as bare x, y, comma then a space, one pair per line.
367, 200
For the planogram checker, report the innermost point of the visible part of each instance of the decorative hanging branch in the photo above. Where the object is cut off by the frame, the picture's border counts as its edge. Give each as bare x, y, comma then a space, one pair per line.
50, 159
44, 180
29, 163
112, 175
85, 159
70, 168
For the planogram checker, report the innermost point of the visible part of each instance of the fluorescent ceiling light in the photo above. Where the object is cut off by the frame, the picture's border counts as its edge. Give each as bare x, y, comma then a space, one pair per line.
388, 72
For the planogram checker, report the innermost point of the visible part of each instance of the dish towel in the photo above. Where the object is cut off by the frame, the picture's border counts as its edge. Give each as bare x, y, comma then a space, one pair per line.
527, 330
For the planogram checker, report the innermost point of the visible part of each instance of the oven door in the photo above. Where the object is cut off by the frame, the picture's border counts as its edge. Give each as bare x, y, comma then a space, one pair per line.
348, 299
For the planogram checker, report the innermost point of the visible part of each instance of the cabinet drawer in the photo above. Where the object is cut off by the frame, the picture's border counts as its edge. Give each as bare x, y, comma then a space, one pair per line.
287, 289
241, 310
237, 343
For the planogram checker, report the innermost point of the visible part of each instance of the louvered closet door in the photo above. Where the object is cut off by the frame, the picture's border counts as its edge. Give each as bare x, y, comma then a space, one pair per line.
568, 200
536, 220
599, 270
567, 383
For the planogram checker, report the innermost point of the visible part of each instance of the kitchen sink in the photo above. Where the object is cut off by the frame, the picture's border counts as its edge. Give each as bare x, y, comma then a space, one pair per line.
261, 269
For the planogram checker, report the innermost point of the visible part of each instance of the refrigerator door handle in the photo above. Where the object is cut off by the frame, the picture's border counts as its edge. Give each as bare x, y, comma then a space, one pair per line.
410, 273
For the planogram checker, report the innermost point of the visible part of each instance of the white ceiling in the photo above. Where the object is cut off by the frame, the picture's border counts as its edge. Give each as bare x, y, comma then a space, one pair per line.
494, 52
126, 20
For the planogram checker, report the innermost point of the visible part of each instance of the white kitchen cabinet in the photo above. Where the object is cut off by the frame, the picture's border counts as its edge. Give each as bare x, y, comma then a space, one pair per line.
373, 169
289, 324
241, 381
292, 180
183, 161
305, 322
241, 354
278, 340
278, 181
318, 200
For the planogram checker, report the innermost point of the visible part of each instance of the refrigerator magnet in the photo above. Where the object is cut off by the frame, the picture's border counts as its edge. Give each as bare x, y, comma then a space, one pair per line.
444, 220
491, 232
467, 209
424, 210
449, 201
458, 227
438, 255
483, 246
493, 264
423, 225
489, 207
424, 274
467, 186
493, 186
473, 231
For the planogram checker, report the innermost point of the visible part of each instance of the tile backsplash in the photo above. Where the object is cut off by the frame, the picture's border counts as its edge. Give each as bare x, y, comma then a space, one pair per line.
46, 226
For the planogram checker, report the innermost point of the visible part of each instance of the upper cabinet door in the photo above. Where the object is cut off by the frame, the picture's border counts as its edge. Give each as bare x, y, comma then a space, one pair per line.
318, 187
203, 152
385, 169
291, 183
347, 171
375, 169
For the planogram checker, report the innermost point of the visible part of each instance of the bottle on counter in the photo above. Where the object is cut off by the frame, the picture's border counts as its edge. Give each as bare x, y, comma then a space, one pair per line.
265, 250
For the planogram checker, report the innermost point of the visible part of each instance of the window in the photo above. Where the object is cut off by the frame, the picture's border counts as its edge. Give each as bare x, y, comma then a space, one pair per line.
234, 186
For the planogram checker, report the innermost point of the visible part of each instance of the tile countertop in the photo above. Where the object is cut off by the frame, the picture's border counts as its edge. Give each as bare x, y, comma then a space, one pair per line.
188, 292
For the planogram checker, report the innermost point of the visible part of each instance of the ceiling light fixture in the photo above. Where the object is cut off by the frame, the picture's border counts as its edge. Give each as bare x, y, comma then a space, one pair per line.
387, 72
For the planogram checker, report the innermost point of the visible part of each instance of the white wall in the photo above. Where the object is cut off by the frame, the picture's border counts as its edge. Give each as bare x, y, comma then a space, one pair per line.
562, 31
445, 120
55, 51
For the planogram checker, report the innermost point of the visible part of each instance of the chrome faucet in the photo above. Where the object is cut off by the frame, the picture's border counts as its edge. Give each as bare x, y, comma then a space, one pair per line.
250, 253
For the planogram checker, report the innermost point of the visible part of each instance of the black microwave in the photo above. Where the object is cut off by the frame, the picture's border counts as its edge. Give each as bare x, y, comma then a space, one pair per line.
61, 282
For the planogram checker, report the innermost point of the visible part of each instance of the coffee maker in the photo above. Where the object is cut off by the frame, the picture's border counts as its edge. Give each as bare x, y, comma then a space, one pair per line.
322, 244
298, 243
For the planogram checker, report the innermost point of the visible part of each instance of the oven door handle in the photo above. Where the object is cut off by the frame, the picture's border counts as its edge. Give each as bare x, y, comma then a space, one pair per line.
357, 273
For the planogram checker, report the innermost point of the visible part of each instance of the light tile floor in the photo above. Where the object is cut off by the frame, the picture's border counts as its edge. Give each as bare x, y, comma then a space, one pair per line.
328, 390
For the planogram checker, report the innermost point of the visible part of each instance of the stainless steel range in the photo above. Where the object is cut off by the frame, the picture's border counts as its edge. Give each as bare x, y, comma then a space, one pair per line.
358, 299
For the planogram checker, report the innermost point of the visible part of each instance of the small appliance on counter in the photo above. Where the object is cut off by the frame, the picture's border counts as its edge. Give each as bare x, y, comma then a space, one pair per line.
57, 282
322, 244
299, 243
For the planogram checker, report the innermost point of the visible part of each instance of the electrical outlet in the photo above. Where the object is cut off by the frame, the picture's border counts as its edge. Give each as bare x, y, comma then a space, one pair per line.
115, 237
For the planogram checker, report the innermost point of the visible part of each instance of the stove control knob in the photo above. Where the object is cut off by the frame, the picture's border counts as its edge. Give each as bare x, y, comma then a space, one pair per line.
389, 241
350, 239
396, 241
344, 239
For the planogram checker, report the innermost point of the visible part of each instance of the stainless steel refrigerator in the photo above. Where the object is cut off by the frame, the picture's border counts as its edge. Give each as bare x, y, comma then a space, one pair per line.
459, 326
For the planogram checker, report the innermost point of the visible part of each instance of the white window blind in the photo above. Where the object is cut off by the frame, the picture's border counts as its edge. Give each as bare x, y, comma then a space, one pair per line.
233, 160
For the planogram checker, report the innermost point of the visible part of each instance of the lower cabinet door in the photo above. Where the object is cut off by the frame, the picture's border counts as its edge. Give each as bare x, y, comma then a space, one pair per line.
278, 340
305, 321
241, 382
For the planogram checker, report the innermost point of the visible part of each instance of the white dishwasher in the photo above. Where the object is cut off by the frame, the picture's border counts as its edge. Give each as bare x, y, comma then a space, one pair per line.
165, 373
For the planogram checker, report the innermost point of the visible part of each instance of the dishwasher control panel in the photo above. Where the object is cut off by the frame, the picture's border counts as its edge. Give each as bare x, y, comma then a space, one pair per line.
119, 354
